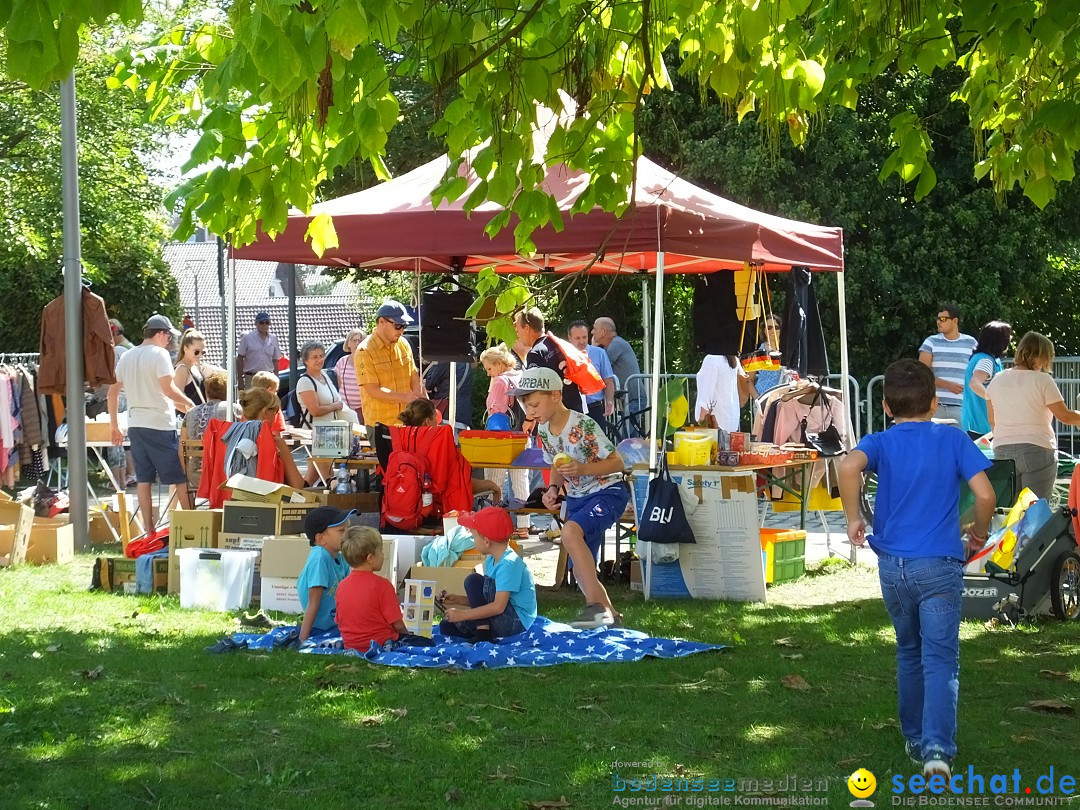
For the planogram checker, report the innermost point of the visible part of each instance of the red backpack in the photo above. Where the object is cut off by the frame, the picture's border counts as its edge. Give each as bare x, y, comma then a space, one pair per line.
403, 486
579, 368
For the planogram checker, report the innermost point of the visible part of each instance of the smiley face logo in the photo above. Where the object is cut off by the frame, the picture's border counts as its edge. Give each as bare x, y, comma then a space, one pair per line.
862, 783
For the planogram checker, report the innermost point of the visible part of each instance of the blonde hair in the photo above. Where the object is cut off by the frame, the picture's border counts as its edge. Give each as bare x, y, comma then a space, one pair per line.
255, 401
357, 333
359, 543
498, 354
267, 380
1034, 351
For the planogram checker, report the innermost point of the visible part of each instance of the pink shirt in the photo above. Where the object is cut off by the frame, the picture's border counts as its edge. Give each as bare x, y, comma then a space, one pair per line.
347, 384
498, 400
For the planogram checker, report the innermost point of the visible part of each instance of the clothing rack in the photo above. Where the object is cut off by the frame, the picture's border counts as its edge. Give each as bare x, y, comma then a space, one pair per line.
17, 357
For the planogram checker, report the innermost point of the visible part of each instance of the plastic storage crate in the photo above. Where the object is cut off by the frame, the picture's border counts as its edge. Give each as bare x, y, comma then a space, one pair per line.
783, 554
480, 447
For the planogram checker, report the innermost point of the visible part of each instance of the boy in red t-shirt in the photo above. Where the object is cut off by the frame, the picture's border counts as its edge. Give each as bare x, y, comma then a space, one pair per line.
367, 605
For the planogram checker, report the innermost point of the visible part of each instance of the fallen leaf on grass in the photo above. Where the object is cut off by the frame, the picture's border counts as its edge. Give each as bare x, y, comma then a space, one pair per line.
452, 796
342, 668
795, 682
373, 720
792, 656
883, 724
399, 712
1023, 739
93, 674
1054, 674
987, 661
516, 707
1051, 706
787, 641
680, 770
549, 804
719, 673
500, 775
474, 718
382, 746
53, 647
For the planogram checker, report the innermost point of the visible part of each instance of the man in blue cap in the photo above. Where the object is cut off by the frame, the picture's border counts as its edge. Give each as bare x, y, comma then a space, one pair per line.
258, 351
385, 369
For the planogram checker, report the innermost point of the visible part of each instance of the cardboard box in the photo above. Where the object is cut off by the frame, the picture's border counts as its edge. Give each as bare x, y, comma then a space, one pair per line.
725, 562
190, 528
636, 582
247, 488
284, 557
247, 543
250, 518
52, 540
118, 574
16, 520
360, 501
291, 517
98, 432
451, 580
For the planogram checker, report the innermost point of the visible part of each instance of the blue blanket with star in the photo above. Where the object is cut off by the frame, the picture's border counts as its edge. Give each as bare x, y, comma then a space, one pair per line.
545, 644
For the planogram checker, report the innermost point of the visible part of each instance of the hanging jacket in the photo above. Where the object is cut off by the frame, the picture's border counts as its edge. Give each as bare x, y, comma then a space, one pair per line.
99, 359
451, 474
268, 465
802, 342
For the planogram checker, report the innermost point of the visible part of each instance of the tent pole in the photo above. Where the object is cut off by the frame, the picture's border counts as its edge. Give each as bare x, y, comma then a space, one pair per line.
73, 309
294, 359
841, 299
230, 337
657, 331
452, 404
646, 343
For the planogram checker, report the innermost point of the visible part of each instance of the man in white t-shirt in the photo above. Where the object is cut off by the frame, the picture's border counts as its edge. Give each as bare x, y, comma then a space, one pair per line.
145, 375
947, 354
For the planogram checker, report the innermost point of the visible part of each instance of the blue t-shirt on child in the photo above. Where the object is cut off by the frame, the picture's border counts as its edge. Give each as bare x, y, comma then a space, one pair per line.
511, 574
322, 570
919, 467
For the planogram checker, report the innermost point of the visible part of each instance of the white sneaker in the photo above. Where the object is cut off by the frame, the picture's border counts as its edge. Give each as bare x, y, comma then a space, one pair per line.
593, 616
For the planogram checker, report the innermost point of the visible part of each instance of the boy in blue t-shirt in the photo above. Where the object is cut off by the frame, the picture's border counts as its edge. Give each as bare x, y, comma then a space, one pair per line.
325, 568
917, 538
502, 601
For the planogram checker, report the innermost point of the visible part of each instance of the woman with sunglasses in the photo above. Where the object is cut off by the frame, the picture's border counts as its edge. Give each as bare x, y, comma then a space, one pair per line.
191, 372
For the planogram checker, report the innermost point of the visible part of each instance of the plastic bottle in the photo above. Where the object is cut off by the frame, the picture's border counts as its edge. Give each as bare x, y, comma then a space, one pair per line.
428, 496
344, 482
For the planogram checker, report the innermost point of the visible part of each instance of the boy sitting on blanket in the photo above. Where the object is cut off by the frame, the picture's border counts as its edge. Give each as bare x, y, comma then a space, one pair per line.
367, 605
502, 601
325, 527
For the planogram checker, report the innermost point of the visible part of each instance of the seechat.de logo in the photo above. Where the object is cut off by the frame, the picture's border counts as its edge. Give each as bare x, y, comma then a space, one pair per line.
862, 785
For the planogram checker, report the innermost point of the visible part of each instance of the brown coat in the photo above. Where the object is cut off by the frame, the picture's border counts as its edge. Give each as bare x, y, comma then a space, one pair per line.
99, 361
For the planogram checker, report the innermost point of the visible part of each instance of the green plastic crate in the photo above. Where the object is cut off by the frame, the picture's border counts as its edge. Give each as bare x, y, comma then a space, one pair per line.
787, 570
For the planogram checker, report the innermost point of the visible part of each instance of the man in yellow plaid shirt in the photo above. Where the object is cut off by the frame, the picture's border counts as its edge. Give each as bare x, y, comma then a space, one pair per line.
385, 369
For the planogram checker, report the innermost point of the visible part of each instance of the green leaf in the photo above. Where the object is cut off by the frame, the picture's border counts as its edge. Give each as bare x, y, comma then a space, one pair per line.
346, 27
322, 233
1040, 190
927, 181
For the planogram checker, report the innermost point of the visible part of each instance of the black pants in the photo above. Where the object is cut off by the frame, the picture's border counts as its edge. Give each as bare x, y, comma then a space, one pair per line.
596, 411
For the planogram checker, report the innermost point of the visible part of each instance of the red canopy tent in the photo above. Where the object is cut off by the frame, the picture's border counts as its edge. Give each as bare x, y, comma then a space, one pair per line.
394, 226
672, 226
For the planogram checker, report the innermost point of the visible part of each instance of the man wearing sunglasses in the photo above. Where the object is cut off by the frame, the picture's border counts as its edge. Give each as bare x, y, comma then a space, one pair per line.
385, 369
947, 354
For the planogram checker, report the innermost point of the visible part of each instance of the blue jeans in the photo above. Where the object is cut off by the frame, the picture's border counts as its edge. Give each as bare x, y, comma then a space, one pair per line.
481, 591
923, 596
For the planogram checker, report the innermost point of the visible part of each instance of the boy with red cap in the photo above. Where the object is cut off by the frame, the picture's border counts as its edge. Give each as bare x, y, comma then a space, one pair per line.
502, 601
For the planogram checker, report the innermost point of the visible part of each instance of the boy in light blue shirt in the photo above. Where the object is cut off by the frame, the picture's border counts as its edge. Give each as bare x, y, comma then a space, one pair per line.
921, 554
502, 601
324, 569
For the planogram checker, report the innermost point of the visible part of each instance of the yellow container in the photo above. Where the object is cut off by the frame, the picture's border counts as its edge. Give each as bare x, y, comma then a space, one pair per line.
482, 447
693, 449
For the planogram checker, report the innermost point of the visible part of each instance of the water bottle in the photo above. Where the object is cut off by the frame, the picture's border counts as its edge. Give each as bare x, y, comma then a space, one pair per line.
344, 482
428, 496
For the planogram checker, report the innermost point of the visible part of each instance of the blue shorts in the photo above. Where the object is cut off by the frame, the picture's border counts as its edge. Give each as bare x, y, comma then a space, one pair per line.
157, 456
597, 512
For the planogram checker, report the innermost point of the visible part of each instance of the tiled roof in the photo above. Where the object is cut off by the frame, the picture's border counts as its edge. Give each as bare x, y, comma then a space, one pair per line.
323, 318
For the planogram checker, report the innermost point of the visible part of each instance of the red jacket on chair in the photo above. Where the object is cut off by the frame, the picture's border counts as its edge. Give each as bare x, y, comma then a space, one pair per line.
269, 466
451, 474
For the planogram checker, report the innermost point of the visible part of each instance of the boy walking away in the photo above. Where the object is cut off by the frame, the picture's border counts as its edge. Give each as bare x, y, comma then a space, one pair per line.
502, 602
367, 605
917, 538
324, 569
584, 459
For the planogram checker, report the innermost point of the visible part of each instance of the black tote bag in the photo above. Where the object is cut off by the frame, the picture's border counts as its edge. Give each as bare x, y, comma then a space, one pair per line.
664, 520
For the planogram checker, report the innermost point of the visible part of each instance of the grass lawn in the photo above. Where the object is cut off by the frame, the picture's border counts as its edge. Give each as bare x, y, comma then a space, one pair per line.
165, 725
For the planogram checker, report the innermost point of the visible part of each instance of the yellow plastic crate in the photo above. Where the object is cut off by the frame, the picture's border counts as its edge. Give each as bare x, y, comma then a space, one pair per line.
783, 554
482, 447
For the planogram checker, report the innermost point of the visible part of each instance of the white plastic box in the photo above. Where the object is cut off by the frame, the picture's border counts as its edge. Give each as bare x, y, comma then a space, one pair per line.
215, 579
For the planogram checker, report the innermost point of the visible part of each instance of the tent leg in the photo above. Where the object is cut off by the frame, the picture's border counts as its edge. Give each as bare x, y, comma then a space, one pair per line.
452, 404
230, 337
646, 344
657, 330
845, 370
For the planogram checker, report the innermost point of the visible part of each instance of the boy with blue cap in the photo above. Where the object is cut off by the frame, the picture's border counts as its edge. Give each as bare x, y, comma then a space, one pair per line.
325, 568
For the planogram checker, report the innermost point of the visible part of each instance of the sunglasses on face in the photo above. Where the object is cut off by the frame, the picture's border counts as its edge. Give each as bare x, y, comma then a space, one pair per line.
399, 327
943, 318
197, 352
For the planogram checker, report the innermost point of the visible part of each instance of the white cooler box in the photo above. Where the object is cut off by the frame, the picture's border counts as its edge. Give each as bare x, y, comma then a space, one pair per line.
215, 579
